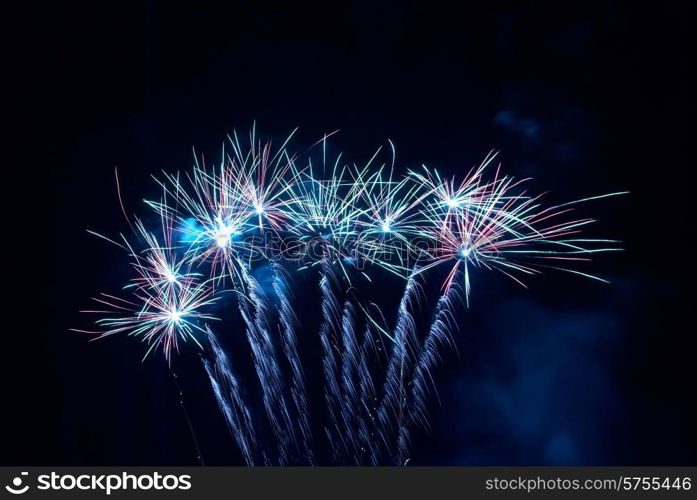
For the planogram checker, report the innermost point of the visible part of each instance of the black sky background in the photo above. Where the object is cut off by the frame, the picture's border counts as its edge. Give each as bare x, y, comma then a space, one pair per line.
585, 98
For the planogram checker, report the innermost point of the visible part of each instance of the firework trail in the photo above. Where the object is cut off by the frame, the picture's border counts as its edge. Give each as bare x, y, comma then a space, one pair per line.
439, 333
368, 355
255, 312
328, 334
228, 394
349, 371
392, 411
287, 325
345, 217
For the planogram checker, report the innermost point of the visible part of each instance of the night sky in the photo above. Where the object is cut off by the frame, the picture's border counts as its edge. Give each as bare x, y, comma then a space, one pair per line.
587, 99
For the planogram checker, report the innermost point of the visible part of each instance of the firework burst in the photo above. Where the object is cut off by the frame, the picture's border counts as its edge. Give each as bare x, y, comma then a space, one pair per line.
392, 218
343, 218
165, 302
263, 181
510, 233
